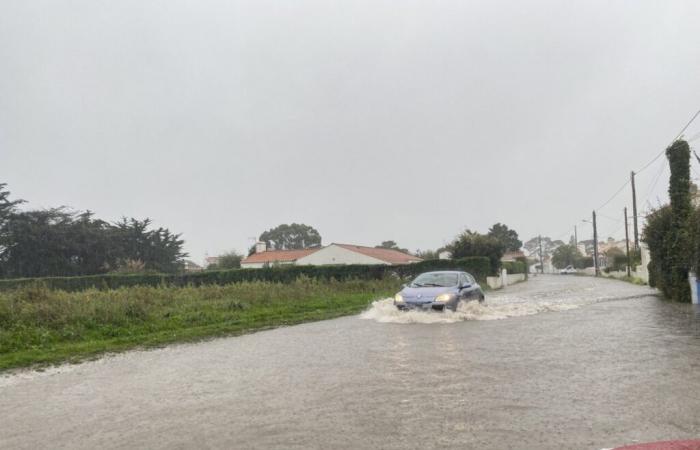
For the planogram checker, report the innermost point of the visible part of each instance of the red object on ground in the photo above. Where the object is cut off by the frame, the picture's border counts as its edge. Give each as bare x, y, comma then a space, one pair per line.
666, 445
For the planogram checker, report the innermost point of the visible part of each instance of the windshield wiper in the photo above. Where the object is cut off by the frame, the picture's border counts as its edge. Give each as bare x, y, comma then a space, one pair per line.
432, 285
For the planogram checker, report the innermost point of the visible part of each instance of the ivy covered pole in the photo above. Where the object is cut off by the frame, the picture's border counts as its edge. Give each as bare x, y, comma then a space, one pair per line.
679, 238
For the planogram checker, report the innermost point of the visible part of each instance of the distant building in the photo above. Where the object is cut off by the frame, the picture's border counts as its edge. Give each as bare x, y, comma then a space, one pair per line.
211, 261
191, 266
333, 254
512, 256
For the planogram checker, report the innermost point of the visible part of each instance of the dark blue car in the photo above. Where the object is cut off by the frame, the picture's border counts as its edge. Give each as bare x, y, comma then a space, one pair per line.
439, 290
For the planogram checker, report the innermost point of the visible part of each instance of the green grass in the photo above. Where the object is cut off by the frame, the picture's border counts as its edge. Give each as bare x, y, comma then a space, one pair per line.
39, 326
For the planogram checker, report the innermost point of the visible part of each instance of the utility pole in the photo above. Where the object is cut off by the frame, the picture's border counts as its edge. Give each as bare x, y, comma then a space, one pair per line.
575, 237
627, 244
634, 213
595, 247
539, 240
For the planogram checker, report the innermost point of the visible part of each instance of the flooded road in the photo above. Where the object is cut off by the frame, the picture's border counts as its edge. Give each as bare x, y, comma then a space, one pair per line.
555, 363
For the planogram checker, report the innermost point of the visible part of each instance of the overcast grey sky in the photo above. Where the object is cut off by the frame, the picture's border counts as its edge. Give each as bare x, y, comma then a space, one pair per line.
369, 120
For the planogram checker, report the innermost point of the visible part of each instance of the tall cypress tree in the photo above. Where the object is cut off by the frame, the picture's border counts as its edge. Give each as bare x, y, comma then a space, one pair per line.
679, 239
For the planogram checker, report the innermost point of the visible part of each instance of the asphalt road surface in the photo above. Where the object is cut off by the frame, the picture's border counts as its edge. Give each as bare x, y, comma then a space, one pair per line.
555, 363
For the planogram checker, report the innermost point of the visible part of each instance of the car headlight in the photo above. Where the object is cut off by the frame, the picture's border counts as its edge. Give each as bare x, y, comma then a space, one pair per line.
398, 298
444, 297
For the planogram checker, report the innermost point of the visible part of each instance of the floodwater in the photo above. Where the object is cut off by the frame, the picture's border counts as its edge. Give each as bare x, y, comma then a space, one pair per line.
555, 363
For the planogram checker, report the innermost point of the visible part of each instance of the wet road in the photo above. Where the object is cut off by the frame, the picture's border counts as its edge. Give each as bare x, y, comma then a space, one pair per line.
572, 362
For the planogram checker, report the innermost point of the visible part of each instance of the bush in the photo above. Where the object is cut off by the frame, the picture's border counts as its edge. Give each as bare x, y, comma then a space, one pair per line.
472, 244
480, 267
583, 262
618, 262
514, 266
655, 235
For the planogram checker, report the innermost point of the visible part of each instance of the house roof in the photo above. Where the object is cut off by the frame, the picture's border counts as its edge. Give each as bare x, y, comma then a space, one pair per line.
511, 256
271, 256
385, 254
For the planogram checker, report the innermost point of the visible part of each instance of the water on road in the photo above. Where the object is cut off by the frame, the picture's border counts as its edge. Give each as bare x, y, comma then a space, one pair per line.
555, 363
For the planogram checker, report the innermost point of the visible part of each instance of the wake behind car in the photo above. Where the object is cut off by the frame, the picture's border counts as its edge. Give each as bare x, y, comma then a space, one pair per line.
439, 290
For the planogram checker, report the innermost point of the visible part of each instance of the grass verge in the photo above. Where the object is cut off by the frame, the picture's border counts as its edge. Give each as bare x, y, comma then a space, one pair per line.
39, 326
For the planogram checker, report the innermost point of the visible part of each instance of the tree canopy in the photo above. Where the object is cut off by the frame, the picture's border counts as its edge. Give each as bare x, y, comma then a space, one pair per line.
508, 237
548, 246
565, 255
62, 242
229, 260
293, 236
391, 245
471, 243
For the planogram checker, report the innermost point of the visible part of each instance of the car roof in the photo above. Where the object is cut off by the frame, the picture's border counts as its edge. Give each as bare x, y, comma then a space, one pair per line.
444, 271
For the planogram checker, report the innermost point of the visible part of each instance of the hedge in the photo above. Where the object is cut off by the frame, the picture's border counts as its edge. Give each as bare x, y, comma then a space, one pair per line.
515, 266
477, 266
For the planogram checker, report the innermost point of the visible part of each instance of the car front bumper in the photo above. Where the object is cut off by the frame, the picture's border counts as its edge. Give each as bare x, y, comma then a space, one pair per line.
437, 306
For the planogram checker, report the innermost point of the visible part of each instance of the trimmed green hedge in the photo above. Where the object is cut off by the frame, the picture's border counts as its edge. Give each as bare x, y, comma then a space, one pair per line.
515, 266
477, 266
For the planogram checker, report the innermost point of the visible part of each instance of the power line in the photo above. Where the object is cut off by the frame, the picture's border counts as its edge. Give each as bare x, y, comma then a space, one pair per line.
674, 140
613, 196
609, 218
646, 166
656, 180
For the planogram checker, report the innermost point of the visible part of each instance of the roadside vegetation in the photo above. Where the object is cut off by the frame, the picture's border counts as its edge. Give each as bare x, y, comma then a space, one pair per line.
673, 232
41, 326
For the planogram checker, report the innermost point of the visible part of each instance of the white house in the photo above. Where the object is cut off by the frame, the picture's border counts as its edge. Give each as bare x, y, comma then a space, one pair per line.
333, 254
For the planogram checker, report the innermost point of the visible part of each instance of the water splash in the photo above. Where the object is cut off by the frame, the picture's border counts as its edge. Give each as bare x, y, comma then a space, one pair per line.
384, 311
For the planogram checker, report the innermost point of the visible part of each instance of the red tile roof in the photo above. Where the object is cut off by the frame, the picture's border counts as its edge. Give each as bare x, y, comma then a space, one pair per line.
511, 256
271, 256
385, 254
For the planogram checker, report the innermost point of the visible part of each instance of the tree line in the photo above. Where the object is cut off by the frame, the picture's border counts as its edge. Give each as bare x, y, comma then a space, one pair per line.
498, 240
62, 242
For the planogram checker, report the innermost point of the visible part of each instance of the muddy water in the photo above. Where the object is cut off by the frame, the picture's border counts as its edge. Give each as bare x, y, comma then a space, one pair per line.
554, 363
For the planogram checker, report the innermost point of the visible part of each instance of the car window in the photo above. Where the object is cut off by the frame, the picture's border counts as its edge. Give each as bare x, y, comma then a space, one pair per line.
462, 279
471, 279
440, 279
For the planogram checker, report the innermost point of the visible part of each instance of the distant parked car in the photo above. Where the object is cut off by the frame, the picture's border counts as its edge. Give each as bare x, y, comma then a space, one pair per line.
568, 270
439, 290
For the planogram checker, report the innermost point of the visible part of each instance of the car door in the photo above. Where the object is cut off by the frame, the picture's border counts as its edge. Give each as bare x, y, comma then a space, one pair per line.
476, 293
467, 293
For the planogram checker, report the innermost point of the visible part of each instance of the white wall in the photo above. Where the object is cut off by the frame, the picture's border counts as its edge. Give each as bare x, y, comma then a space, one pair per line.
334, 254
259, 265
507, 280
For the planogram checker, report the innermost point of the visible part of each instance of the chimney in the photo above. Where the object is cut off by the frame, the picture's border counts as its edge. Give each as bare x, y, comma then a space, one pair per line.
260, 247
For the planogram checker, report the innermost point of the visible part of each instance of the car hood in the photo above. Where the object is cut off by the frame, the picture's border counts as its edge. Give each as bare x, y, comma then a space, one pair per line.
424, 294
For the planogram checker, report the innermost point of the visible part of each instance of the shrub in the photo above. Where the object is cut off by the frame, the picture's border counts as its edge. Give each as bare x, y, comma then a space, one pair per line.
480, 267
618, 262
471, 244
514, 266
669, 230
655, 235
583, 262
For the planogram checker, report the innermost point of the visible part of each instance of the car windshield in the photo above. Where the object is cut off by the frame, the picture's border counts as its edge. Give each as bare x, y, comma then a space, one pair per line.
436, 279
